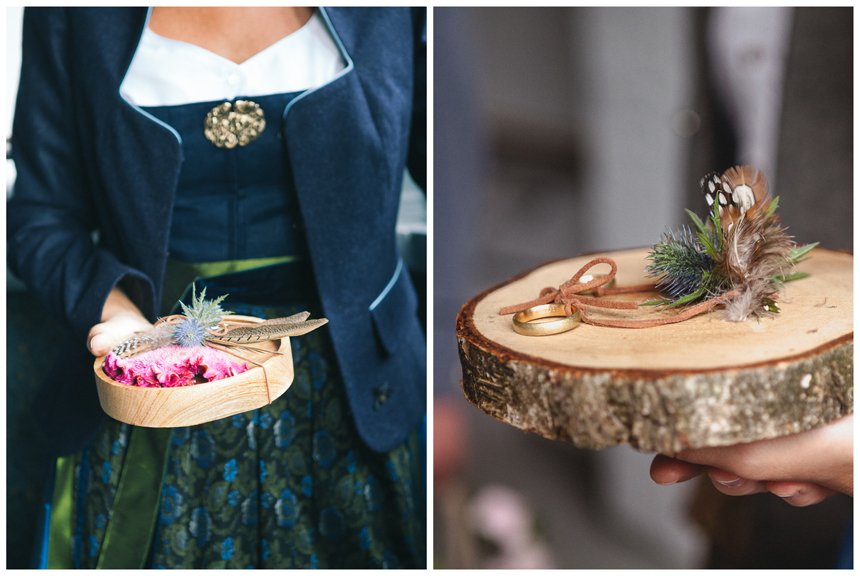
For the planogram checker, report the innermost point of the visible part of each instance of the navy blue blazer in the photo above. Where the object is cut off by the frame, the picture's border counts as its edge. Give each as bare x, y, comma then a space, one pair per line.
88, 160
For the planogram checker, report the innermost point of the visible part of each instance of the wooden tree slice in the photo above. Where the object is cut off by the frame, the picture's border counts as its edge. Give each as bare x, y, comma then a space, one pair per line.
701, 382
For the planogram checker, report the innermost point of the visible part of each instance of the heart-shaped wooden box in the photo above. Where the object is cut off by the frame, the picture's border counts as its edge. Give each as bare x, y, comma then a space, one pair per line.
190, 405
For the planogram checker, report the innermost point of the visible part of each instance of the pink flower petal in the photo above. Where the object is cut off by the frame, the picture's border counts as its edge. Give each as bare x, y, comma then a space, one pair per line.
172, 366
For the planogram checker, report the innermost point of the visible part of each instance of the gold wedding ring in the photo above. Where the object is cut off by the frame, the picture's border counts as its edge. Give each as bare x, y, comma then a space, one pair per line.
523, 320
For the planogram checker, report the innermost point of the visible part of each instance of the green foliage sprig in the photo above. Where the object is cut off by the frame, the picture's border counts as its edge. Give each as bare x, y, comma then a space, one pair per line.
692, 264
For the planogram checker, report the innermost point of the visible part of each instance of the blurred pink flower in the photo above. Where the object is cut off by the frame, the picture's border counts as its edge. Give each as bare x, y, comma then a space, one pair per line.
172, 366
501, 515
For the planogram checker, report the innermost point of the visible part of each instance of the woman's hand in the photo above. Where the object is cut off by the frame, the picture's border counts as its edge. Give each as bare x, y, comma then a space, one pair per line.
802, 468
120, 319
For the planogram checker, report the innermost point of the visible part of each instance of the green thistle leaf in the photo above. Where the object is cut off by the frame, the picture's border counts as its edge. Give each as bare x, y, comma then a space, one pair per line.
206, 312
790, 277
707, 243
796, 255
687, 299
697, 222
768, 212
718, 230
660, 302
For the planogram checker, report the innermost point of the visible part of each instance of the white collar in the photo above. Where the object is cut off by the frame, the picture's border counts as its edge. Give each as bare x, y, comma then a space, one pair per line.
166, 72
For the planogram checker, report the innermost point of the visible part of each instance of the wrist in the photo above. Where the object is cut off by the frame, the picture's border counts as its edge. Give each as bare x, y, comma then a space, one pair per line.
120, 319
118, 305
839, 436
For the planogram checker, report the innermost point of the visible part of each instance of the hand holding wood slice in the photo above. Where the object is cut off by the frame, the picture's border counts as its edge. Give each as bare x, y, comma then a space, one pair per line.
701, 382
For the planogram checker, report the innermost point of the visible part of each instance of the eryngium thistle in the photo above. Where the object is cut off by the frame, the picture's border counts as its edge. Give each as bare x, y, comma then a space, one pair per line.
190, 332
682, 265
200, 316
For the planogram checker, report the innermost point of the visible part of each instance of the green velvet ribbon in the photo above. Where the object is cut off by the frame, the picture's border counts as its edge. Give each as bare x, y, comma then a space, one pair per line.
131, 526
179, 275
60, 529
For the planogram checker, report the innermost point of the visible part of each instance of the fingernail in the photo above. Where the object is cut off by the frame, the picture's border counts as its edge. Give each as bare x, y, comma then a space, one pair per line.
790, 496
667, 483
97, 341
732, 483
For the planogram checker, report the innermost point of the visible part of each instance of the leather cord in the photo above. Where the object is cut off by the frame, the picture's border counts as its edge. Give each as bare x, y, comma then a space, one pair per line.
568, 295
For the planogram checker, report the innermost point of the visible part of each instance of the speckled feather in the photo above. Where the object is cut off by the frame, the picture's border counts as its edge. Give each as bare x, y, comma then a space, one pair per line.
155, 337
194, 333
270, 330
757, 251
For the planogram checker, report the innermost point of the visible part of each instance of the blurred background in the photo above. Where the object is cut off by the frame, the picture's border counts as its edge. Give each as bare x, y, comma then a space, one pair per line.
559, 131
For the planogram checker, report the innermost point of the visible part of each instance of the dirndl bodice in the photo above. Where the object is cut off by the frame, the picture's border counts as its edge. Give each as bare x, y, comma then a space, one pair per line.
233, 203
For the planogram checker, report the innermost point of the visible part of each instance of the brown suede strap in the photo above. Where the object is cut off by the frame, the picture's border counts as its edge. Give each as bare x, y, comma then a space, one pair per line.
650, 323
568, 294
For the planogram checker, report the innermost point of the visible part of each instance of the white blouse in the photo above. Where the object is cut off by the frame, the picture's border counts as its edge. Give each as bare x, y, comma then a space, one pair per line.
166, 72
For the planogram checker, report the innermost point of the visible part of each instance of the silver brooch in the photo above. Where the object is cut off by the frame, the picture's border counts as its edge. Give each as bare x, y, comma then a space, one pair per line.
240, 123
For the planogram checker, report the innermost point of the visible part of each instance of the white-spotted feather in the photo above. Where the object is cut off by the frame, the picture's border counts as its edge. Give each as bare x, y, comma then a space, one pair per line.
738, 192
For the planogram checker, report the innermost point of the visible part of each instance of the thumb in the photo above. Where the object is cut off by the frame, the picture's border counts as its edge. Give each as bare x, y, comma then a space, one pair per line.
103, 337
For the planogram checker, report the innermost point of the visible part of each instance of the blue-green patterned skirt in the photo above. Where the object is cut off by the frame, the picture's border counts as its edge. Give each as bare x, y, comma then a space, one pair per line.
289, 485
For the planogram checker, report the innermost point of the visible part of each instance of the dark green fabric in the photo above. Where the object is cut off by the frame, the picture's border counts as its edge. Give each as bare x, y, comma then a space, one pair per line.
130, 528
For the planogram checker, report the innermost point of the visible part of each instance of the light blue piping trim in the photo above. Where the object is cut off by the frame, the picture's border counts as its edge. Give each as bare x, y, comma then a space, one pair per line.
135, 106
343, 52
388, 288
46, 535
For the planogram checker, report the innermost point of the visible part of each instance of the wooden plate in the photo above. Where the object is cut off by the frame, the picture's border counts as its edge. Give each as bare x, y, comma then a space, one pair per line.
190, 405
702, 382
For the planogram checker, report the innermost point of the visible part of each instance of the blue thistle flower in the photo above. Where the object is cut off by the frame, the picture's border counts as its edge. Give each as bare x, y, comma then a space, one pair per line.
684, 268
201, 316
190, 333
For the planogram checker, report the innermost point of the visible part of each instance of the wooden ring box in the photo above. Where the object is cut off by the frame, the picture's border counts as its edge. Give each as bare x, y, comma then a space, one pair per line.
191, 405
